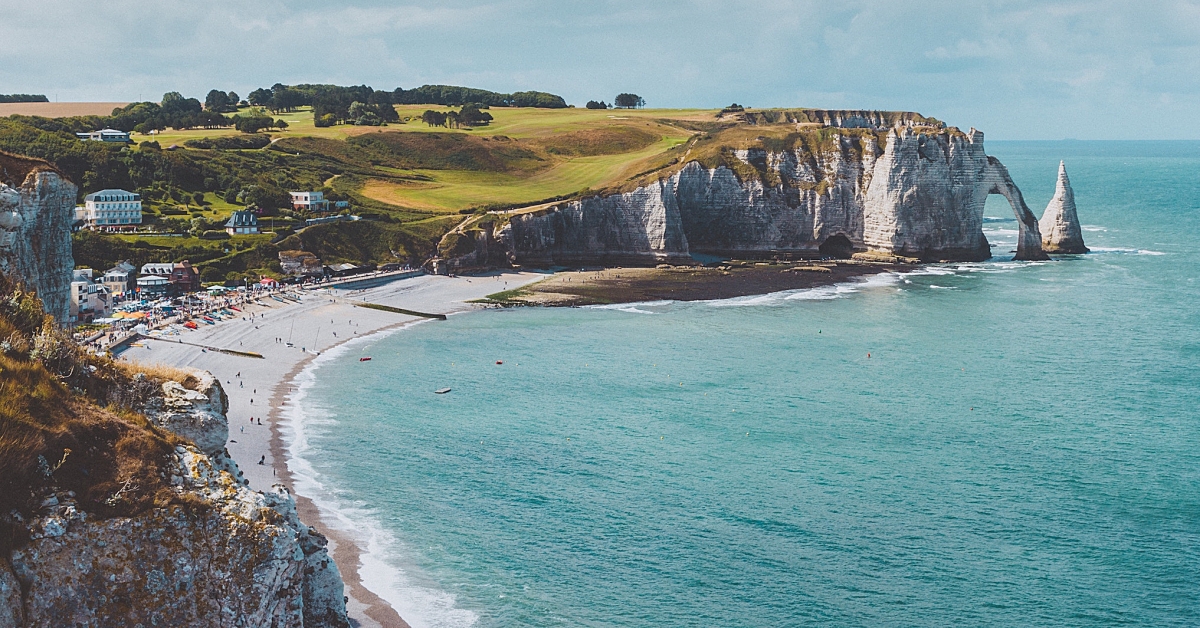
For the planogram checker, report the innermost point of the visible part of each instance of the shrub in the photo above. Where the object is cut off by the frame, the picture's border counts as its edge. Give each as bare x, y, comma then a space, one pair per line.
213, 234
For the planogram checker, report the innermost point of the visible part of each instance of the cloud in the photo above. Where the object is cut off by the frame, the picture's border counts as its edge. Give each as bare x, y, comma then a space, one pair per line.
1016, 69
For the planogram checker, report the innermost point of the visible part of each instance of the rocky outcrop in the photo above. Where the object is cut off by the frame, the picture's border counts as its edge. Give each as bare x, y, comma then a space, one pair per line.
228, 556
913, 192
37, 207
196, 414
1061, 232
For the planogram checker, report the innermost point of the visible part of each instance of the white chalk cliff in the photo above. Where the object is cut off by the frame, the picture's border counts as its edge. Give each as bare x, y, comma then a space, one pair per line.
1061, 232
913, 191
37, 207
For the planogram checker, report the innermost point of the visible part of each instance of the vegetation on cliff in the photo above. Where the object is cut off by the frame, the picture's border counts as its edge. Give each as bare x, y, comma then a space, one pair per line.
70, 420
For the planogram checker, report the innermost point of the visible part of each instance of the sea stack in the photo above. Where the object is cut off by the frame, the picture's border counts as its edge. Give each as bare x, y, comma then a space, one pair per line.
1060, 224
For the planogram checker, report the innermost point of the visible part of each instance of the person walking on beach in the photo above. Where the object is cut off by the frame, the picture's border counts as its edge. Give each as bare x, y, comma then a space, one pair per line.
263, 460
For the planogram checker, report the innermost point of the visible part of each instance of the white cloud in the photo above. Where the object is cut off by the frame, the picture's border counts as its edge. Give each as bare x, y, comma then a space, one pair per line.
1051, 69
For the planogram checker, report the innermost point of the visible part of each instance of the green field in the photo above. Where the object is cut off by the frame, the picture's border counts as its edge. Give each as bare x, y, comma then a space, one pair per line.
563, 151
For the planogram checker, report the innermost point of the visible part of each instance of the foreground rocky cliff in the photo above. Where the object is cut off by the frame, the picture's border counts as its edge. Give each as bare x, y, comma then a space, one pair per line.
815, 189
119, 505
37, 207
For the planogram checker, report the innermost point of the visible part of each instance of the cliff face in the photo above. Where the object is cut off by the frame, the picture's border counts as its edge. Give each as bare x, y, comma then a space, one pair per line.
920, 193
230, 557
37, 207
1061, 232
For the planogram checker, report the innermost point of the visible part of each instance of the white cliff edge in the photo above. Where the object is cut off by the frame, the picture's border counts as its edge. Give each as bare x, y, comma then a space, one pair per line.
37, 207
231, 557
1061, 232
920, 194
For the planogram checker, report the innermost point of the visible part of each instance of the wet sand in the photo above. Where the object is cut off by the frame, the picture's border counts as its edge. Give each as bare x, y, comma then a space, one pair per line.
684, 283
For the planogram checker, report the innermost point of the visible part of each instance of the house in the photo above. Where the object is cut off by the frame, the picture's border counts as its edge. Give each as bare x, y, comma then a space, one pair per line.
153, 286
111, 210
242, 223
89, 300
184, 278
120, 279
178, 278
300, 264
105, 135
159, 270
310, 201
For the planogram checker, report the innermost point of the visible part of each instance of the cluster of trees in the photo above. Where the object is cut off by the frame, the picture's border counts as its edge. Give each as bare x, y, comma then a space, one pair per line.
469, 115
331, 103
221, 102
254, 122
629, 101
592, 104
23, 98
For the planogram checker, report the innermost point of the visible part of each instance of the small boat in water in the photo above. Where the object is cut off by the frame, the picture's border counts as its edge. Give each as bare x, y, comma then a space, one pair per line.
366, 359
441, 391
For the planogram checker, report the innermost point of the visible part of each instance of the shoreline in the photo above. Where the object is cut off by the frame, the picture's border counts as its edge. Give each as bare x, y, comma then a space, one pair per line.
344, 550
314, 325
258, 451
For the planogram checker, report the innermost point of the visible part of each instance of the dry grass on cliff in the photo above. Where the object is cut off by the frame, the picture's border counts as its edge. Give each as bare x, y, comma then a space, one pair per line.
159, 372
54, 437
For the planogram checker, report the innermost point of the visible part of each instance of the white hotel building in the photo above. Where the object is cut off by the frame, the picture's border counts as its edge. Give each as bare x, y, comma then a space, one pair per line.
110, 210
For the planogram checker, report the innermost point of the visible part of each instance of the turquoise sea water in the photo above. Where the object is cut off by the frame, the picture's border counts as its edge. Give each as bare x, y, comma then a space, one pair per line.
1022, 446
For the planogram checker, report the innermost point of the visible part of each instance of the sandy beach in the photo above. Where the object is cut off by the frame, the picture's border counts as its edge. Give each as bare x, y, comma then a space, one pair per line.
258, 388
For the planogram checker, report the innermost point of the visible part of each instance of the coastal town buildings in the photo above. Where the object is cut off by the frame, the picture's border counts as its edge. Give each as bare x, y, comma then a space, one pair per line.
89, 300
242, 223
121, 279
309, 201
110, 210
178, 278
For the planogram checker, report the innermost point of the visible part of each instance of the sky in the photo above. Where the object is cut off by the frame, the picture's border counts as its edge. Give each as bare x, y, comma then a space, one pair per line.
1099, 69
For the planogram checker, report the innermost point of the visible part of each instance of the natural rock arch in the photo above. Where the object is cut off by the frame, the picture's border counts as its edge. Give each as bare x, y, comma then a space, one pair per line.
1029, 238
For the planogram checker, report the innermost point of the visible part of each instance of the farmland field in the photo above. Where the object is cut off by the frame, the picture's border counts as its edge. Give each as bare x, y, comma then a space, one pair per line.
58, 109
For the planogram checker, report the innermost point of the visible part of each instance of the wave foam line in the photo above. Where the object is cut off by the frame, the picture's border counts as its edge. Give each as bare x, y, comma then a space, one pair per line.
421, 607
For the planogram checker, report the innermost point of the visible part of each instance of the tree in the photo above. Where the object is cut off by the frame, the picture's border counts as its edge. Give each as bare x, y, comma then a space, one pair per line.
233, 99
369, 118
260, 97
325, 120
217, 101
356, 110
472, 116
281, 124
175, 103
252, 123
591, 104
629, 101
433, 118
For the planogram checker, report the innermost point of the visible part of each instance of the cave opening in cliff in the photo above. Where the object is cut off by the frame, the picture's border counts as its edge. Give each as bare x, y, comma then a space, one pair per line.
837, 247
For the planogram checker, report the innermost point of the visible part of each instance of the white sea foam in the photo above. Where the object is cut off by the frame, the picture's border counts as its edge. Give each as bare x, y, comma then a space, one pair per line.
631, 307
1001, 232
1092, 228
1124, 251
821, 293
420, 606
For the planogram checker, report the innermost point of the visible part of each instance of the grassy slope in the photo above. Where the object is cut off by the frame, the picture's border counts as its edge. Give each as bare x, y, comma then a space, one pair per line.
557, 135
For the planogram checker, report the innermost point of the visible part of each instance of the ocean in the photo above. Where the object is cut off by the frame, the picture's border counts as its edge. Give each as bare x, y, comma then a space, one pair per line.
996, 443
